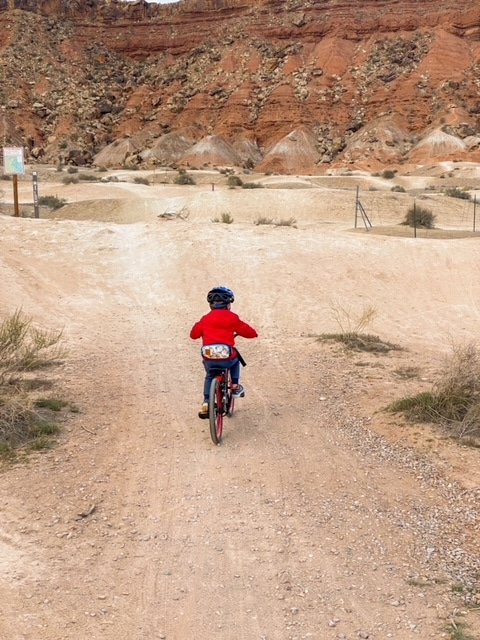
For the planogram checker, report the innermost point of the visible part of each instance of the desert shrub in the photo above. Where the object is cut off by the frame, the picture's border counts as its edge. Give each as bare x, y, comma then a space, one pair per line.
54, 404
24, 421
455, 192
388, 174
183, 178
140, 180
72, 170
16, 417
286, 222
226, 218
263, 220
419, 217
23, 347
22, 425
234, 181
352, 330
252, 185
88, 177
52, 201
70, 180
454, 400
398, 188
360, 342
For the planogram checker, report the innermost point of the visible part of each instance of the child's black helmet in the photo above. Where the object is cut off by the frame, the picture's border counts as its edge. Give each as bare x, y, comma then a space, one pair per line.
220, 297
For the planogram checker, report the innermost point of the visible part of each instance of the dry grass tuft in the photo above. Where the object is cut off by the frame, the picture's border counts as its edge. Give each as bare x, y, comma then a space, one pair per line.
454, 401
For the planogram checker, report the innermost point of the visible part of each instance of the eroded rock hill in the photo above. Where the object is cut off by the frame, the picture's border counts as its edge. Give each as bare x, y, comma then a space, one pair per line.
288, 86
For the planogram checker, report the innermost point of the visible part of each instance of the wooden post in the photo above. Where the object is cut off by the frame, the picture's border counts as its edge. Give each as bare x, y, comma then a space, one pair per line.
356, 208
474, 210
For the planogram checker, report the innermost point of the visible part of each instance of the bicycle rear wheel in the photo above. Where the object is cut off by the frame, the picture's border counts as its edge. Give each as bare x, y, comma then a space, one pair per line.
215, 411
230, 396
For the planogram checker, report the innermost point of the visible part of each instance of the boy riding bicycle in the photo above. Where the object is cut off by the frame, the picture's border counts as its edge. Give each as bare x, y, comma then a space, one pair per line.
220, 326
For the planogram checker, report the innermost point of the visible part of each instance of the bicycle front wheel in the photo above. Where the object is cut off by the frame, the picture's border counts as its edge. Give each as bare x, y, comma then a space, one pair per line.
215, 411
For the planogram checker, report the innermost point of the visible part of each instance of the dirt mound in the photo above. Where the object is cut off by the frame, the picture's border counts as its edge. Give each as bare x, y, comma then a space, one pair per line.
213, 151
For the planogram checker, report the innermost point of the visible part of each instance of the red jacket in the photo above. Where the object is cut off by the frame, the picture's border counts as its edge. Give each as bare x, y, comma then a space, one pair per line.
220, 326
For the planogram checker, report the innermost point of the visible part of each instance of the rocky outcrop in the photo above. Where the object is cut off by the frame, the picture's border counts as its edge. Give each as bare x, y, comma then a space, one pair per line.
280, 86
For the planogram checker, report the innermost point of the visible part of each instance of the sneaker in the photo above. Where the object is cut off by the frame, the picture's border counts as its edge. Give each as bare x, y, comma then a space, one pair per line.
203, 413
238, 392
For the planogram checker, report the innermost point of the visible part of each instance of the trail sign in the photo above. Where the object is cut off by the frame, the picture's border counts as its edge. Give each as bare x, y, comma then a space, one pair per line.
13, 163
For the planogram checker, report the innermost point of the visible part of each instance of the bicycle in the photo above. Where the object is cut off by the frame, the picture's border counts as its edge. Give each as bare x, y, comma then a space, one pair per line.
221, 402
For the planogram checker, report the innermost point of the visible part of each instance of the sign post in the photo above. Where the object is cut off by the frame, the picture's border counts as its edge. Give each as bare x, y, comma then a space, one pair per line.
35, 195
13, 165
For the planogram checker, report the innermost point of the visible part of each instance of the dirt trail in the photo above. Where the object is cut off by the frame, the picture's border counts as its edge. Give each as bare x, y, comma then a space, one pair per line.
302, 524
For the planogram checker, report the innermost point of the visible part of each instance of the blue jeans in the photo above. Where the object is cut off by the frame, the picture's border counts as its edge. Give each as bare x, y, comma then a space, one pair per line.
211, 368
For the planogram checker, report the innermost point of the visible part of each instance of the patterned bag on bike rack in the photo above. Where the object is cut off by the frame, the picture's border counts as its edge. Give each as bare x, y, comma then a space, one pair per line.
217, 352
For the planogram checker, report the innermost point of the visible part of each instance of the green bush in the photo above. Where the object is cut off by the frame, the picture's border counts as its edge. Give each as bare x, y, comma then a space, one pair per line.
183, 178
140, 180
52, 201
24, 347
234, 181
454, 400
226, 218
286, 222
455, 192
419, 217
263, 220
25, 422
388, 174
252, 185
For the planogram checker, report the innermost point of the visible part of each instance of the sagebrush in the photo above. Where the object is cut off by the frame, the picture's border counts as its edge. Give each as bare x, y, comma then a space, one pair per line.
419, 217
454, 399
25, 348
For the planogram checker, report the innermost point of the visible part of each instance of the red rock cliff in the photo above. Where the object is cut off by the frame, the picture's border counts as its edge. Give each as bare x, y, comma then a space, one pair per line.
353, 81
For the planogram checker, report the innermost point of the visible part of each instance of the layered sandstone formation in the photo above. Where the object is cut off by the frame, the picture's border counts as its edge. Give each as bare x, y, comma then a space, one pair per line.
288, 86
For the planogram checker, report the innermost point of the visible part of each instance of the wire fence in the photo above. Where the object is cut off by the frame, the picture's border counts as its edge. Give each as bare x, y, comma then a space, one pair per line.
373, 210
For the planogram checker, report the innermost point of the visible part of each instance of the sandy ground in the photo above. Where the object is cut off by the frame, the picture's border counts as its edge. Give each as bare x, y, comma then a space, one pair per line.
319, 516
